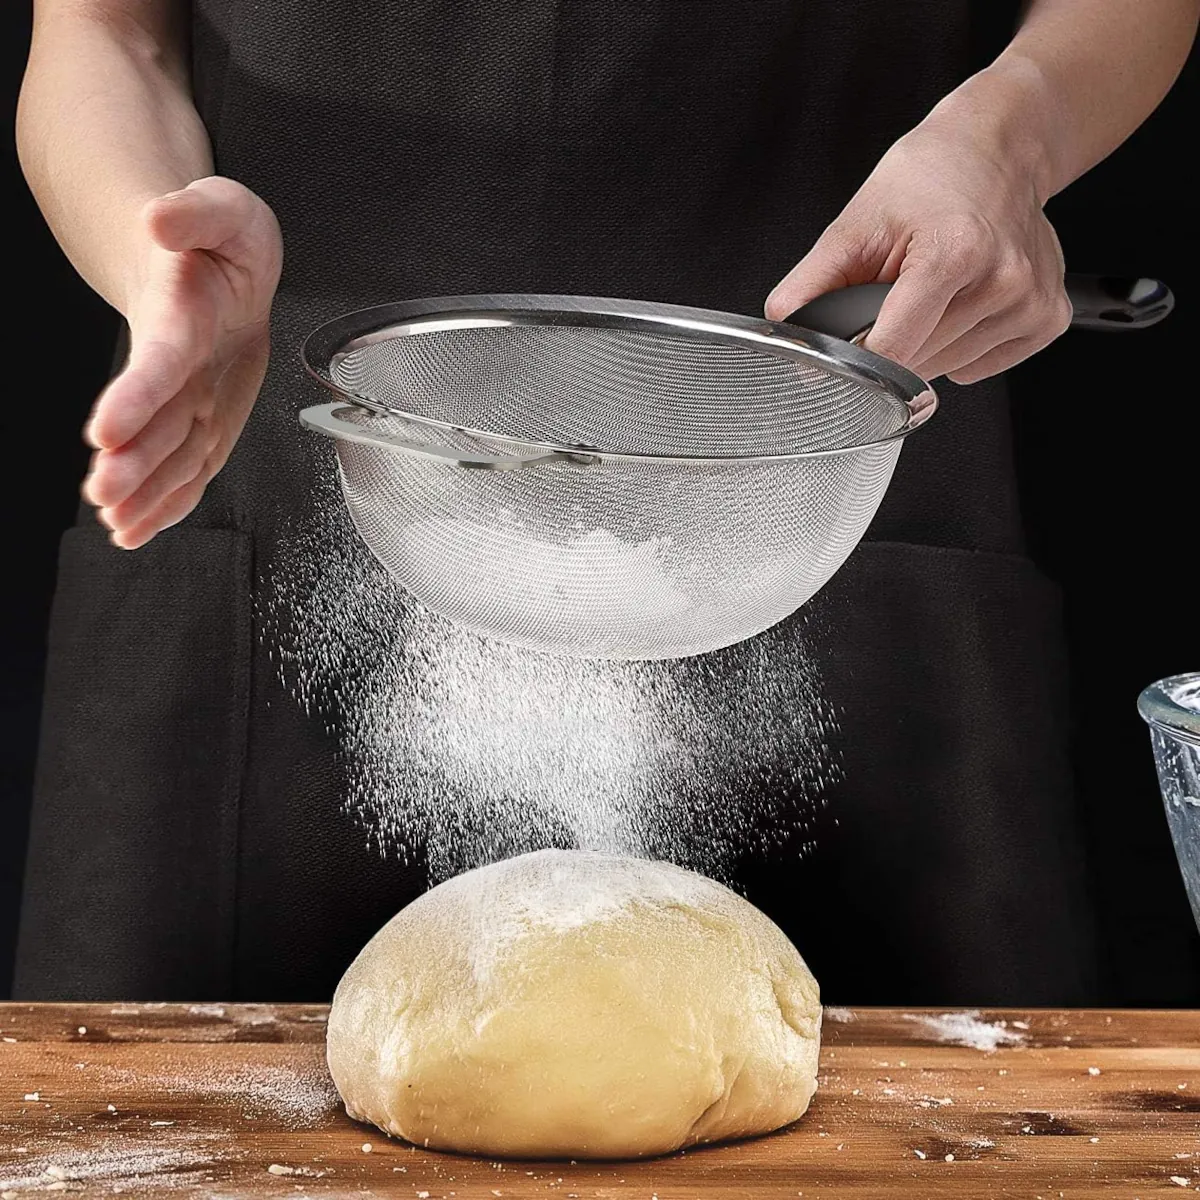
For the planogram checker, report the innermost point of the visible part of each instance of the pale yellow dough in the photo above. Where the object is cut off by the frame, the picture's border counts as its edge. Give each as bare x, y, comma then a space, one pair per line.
576, 1005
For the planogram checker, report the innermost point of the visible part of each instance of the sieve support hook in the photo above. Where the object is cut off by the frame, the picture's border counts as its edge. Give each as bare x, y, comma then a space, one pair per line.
330, 419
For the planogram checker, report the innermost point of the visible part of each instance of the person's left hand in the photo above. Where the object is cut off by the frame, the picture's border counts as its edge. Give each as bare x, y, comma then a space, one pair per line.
977, 267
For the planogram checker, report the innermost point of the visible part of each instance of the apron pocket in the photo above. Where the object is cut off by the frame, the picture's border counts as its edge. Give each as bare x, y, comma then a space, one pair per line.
950, 865
133, 843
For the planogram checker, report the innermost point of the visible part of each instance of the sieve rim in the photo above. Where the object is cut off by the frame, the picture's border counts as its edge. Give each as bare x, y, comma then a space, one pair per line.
1159, 708
326, 344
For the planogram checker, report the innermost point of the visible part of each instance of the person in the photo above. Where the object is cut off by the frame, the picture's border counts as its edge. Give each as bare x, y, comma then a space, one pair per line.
188, 839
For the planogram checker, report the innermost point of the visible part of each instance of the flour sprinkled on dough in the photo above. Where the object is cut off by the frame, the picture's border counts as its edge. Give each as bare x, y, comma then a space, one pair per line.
666, 1012
557, 896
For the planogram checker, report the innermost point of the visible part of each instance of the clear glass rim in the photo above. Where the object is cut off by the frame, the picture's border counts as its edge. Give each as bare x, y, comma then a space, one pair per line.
1160, 708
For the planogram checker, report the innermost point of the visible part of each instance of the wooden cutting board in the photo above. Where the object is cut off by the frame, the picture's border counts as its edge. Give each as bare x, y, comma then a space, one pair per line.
232, 1101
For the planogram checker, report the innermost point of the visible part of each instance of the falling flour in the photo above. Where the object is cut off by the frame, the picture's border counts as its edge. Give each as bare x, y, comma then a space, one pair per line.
465, 751
967, 1029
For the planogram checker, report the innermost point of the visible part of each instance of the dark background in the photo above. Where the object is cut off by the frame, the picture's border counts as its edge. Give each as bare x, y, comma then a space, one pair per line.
1108, 431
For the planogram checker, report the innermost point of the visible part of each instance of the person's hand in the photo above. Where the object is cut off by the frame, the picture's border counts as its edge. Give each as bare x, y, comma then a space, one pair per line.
199, 321
977, 268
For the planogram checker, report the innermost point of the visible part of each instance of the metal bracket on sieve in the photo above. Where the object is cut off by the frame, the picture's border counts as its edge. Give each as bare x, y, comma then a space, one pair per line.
330, 419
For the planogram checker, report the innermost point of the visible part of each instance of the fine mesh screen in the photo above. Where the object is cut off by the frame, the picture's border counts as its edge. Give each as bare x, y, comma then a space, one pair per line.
619, 560
633, 557
618, 390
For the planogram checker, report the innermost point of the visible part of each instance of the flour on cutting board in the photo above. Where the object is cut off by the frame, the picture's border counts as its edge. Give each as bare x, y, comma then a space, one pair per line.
968, 1029
295, 1097
136, 1147
127, 1161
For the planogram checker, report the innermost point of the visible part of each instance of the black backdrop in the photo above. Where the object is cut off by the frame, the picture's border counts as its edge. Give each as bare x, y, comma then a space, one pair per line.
1109, 450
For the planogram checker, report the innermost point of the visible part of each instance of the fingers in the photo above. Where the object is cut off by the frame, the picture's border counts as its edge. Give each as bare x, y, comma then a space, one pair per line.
1007, 328
173, 480
846, 253
170, 512
1033, 321
172, 492
155, 374
998, 358
176, 503
183, 464
972, 269
958, 298
978, 339
961, 317
138, 442
914, 309
942, 290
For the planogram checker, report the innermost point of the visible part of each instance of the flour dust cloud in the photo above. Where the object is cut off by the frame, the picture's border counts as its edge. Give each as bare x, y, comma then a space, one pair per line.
468, 751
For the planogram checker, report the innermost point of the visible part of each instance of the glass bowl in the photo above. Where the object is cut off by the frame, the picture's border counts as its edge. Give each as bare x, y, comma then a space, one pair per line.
1171, 708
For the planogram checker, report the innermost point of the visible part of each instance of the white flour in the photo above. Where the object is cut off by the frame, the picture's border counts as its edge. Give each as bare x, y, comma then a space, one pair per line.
553, 890
625, 580
469, 751
842, 1016
561, 891
129, 1162
294, 1097
966, 1029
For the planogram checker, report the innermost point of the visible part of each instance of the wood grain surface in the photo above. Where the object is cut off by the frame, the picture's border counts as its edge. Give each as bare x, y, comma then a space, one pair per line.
232, 1101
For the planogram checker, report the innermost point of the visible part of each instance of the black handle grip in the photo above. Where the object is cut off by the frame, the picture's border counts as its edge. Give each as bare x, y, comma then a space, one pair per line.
845, 313
1100, 302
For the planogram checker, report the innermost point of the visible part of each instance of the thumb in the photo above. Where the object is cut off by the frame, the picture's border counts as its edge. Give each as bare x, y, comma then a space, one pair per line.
841, 256
209, 214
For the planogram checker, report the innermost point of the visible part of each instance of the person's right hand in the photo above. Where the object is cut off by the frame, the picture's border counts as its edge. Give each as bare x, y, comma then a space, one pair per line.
199, 322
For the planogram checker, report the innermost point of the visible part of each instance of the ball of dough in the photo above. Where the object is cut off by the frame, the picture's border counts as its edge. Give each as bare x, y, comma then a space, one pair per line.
568, 1004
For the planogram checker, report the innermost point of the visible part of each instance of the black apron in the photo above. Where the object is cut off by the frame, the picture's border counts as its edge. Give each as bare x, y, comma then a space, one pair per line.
188, 836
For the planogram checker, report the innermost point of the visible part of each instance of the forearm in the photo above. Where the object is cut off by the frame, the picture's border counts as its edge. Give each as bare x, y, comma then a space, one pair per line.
1076, 80
105, 123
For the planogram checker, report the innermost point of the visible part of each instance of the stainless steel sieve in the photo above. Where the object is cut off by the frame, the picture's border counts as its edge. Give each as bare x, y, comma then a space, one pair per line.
610, 478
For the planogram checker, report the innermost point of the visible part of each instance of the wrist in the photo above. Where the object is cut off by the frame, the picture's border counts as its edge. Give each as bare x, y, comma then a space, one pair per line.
1007, 113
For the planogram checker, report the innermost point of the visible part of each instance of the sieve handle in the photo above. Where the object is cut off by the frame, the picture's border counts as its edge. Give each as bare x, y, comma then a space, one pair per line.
1101, 302
1113, 305
328, 419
